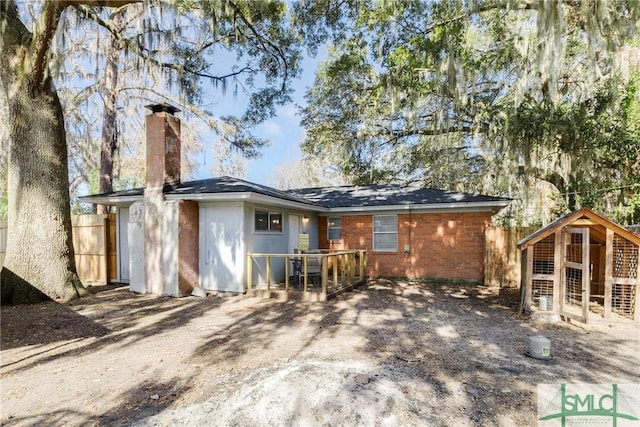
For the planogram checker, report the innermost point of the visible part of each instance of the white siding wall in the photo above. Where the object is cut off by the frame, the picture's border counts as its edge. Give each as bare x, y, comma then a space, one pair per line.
270, 243
170, 233
222, 247
276, 242
122, 230
311, 228
135, 239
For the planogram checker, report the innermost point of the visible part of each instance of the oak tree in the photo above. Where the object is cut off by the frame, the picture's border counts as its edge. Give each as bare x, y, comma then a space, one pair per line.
39, 262
479, 95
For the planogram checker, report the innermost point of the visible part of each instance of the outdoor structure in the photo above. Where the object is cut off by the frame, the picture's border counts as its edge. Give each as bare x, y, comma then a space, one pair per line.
583, 267
229, 235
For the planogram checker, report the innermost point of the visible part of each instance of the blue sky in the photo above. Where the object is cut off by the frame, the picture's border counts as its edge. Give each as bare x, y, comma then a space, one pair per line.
283, 130
285, 134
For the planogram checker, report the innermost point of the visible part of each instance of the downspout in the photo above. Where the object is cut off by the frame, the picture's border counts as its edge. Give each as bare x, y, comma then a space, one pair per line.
408, 250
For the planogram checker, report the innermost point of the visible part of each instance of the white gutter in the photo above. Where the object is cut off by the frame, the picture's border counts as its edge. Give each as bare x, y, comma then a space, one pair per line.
434, 207
248, 197
124, 201
120, 201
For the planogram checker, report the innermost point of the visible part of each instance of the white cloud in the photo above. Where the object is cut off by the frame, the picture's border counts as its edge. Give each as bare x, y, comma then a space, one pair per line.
289, 112
271, 128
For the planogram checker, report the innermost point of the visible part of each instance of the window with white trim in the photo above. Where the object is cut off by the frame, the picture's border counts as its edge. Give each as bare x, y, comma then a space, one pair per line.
334, 228
268, 221
385, 233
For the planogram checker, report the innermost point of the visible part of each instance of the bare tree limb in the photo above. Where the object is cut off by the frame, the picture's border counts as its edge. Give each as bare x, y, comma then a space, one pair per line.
197, 112
263, 41
137, 48
100, 3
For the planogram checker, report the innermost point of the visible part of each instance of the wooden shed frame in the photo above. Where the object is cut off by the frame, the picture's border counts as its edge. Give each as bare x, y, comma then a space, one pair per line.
582, 267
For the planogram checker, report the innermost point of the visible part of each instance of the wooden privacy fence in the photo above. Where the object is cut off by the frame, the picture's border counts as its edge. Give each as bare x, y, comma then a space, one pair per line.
502, 257
94, 244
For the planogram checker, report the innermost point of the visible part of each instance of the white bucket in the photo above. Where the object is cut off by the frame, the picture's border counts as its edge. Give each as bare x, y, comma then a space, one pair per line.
539, 347
542, 303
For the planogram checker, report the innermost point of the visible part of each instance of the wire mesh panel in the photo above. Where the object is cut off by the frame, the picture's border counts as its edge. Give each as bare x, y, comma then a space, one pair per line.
623, 300
573, 290
543, 255
542, 294
625, 258
625, 269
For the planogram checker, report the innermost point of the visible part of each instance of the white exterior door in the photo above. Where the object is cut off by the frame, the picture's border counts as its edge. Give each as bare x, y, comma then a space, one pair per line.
222, 247
294, 230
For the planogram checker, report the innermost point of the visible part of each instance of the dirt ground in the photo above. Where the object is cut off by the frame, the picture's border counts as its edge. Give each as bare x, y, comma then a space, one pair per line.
389, 353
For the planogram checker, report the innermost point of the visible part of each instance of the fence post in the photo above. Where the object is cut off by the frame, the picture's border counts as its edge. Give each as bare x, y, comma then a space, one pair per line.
528, 290
105, 236
249, 272
304, 269
286, 273
268, 272
325, 274
352, 266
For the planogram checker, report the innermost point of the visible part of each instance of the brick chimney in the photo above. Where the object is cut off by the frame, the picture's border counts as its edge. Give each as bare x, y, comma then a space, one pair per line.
170, 226
163, 146
163, 167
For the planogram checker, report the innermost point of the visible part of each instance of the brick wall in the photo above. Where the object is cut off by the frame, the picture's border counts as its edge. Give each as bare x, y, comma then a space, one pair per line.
446, 246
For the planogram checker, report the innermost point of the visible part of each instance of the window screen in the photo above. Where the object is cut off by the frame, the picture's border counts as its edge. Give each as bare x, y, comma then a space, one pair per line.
385, 233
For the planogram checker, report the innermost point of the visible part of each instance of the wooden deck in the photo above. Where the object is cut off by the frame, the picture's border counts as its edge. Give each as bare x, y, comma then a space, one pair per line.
335, 272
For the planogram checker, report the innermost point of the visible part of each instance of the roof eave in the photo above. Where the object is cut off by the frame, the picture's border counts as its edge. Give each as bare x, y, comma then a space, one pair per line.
246, 196
119, 201
570, 218
493, 205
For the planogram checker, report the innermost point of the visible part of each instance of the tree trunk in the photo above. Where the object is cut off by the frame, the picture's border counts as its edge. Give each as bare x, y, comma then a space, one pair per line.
109, 117
40, 259
39, 262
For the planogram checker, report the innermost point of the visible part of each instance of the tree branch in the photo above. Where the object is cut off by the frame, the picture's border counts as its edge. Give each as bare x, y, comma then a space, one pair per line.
264, 40
100, 3
479, 8
202, 115
144, 53
45, 29
395, 135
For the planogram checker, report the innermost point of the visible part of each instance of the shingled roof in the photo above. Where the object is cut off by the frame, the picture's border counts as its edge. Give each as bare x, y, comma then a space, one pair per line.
226, 184
220, 185
391, 194
333, 198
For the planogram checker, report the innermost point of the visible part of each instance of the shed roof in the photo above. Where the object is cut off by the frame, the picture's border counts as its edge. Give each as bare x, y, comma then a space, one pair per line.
584, 216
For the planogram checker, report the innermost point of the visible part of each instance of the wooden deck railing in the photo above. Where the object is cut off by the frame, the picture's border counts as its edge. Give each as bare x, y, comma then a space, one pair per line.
348, 268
